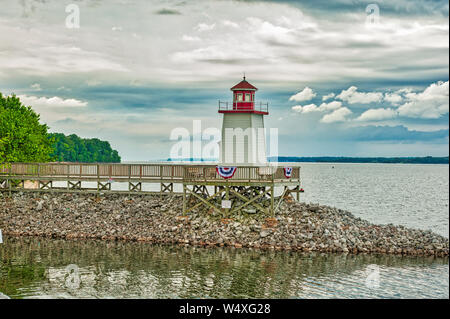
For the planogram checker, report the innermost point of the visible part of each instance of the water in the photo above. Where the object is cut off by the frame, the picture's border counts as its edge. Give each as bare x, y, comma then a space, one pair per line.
411, 195
44, 268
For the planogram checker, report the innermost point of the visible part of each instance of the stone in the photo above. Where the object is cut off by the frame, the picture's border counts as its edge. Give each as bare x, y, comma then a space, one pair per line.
146, 218
264, 233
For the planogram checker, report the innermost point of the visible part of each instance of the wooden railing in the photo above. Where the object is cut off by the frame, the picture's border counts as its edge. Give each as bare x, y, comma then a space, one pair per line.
153, 171
244, 106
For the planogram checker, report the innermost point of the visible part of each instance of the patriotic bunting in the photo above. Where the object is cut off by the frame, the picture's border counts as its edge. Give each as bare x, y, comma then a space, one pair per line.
226, 172
288, 172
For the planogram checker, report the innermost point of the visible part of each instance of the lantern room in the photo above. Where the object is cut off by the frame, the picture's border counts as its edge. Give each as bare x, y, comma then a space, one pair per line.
244, 100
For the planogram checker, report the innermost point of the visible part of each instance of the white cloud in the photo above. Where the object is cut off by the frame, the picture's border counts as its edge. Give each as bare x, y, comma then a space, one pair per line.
305, 95
305, 109
36, 87
351, 95
404, 91
278, 43
324, 107
93, 82
334, 105
393, 98
205, 27
229, 23
328, 96
55, 101
190, 38
338, 115
272, 33
432, 103
377, 115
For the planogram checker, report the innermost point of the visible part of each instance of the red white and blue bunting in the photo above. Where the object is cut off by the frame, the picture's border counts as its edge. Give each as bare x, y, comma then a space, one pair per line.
226, 172
288, 172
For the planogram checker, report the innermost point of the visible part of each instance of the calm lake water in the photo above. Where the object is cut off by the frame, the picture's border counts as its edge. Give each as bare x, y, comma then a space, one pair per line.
43, 268
411, 195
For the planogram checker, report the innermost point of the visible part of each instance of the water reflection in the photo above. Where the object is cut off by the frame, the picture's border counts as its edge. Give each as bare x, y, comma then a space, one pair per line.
43, 268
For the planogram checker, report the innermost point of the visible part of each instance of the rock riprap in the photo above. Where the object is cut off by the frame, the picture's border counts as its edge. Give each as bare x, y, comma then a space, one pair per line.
297, 226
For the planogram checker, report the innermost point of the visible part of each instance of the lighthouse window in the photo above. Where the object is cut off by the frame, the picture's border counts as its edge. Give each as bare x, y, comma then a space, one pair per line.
239, 97
247, 97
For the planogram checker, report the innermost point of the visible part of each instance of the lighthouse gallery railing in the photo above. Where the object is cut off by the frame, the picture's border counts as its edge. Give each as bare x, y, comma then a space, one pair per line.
243, 106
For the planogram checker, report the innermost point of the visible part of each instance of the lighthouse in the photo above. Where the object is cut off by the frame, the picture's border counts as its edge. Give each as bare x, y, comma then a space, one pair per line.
243, 135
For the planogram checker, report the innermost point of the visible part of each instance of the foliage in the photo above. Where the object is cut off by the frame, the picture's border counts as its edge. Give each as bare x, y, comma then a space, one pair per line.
72, 148
22, 137
403, 160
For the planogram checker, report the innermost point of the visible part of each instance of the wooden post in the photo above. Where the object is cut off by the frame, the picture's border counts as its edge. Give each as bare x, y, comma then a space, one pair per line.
9, 179
68, 176
160, 181
98, 180
184, 199
227, 197
272, 191
204, 173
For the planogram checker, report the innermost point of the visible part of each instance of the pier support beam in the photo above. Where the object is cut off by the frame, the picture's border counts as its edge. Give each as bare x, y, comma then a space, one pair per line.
202, 201
134, 187
103, 186
73, 185
45, 184
16, 183
167, 188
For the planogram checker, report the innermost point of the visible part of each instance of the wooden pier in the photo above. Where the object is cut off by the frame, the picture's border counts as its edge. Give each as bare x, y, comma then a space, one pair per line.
250, 188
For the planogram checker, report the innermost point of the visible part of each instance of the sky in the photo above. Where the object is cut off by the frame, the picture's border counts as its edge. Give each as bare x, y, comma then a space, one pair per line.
342, 78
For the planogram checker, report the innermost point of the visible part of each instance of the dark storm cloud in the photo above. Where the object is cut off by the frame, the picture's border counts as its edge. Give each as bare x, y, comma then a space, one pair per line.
129, 98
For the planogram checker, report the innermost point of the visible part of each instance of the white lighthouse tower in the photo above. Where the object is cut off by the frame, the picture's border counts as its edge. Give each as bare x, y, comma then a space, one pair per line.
243, 136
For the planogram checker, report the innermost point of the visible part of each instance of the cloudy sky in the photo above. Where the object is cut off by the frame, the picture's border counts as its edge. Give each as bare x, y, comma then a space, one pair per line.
347, 78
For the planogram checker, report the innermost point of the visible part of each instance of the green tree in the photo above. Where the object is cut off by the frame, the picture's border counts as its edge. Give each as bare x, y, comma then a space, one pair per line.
72, 148
22, 137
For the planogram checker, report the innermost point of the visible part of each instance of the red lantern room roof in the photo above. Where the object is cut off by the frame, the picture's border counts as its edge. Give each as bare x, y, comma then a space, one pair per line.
243, 85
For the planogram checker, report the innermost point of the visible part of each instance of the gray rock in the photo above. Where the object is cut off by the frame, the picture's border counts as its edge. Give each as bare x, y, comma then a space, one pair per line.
264, 233
3, 296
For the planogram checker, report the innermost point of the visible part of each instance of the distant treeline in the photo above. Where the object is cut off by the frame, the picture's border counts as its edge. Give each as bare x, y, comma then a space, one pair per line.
330, 159
191, 159
72, 148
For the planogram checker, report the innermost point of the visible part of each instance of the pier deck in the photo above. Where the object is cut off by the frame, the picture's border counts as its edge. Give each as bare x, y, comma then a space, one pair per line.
249, 186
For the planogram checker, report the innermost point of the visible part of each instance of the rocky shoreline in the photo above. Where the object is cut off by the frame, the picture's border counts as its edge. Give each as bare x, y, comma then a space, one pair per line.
297, 226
